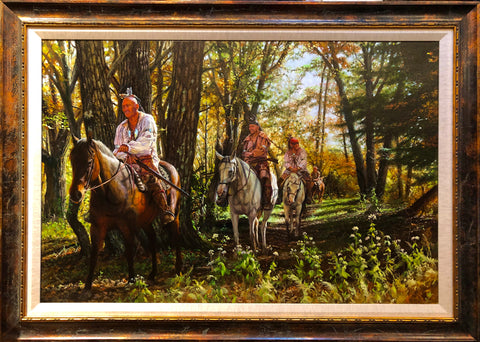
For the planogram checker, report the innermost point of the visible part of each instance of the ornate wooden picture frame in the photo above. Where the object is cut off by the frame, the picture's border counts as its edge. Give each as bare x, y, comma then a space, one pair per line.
453, 24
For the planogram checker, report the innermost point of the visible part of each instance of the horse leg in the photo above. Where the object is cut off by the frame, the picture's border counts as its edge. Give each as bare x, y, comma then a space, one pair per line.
175, 240
234, 218
253, 223
298, 214
97, 235
129, 252
263, 229
286, 212
153, 251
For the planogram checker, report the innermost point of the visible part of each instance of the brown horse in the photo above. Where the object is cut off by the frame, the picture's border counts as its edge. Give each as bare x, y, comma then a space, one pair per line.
318, 189
116, 203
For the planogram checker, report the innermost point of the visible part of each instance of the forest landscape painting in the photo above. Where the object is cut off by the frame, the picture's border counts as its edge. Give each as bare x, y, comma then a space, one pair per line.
365, 112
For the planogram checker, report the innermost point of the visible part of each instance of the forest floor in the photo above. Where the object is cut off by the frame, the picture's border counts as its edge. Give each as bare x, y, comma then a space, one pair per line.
63, 271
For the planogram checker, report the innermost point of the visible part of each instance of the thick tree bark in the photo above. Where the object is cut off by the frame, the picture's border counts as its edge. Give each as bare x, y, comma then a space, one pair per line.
98, 114
63, 79
97, 107
182, 121
134, 72
54, 168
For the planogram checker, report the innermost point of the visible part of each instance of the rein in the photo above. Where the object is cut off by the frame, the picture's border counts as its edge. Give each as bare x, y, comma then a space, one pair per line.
108, 180
236, 170
89, 173
298, 189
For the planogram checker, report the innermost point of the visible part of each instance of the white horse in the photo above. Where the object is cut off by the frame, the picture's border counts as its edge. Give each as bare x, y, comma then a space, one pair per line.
241, 186
293, 198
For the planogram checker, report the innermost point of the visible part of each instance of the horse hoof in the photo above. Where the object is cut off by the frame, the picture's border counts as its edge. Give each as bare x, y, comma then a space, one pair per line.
168, 217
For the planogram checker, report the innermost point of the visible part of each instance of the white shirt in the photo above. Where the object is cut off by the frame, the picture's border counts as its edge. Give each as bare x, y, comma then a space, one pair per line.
143, 141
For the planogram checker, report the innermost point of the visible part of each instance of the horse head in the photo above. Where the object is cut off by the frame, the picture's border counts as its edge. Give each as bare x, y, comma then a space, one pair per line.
85, 167
292, 186
228, 173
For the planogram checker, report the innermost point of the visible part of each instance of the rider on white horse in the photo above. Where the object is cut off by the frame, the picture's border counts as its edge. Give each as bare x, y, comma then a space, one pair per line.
255, 153
295, 160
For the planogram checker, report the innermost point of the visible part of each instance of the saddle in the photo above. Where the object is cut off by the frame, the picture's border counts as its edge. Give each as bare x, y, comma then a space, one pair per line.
139, 182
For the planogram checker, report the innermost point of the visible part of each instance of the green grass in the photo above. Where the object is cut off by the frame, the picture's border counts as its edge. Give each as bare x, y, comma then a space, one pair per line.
346, 257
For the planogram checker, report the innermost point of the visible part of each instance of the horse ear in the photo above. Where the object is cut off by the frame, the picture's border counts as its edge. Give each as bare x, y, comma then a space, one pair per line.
219, 156
75, 139
89, 136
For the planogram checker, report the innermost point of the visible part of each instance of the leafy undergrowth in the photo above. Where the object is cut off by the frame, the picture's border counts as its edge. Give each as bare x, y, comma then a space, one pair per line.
341, 257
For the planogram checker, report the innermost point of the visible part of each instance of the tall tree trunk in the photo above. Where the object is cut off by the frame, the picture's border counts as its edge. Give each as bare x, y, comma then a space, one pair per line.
370, 158
318, 122
54, 167
98, 114
399, 182
387, 145
383, 167
182, 121
324, 117
408, 182
53, 159
134, 71
161, 70
347, 111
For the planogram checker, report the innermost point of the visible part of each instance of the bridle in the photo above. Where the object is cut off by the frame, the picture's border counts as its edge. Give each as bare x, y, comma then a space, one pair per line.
232, 178
296, 183
89, 173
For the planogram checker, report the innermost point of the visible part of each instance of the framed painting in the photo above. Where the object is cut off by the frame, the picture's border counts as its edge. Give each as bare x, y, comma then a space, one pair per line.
373, 104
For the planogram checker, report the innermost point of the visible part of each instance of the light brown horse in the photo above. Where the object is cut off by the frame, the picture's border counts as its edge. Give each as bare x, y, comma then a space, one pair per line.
318, 189
294, 193
116, 203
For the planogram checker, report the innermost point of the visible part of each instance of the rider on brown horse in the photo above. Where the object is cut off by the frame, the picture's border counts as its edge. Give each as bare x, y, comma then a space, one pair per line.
136, 139
255, 153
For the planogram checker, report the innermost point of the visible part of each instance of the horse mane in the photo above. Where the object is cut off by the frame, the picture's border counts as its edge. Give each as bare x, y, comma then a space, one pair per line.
100, 146
103, 148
